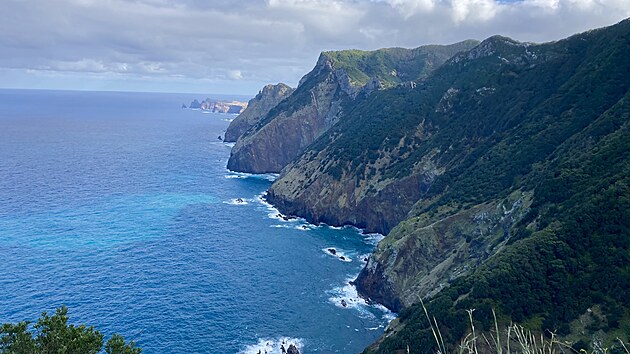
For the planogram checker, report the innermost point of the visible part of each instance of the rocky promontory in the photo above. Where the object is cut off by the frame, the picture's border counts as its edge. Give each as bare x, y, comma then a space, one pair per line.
218, 106
257, 108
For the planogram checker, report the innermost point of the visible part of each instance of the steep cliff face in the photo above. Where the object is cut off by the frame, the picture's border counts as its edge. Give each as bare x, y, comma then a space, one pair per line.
324, 95
489, 166
317, 188
419, 257
257, 109
372, 167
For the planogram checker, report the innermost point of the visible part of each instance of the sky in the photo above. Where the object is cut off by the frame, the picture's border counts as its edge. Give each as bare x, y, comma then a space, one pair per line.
238, 46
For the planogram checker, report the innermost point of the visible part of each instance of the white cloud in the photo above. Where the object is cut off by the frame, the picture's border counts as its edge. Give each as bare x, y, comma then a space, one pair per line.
235, 74
220, 41
473, 10
408, 8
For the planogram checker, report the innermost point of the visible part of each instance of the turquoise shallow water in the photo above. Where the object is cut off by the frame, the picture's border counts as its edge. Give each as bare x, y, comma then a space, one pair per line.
119, 206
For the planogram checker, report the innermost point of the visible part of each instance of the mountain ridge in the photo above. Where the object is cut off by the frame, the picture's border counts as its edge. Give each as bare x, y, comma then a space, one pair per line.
501, 181
319, 101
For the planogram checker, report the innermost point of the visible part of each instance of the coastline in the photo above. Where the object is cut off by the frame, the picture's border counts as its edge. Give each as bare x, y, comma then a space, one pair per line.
306, 223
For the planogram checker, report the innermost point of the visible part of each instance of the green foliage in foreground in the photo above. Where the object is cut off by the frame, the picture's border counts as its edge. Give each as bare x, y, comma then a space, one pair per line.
53, 334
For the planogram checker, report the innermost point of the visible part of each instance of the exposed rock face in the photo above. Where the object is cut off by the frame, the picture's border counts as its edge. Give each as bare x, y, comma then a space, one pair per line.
257, 108
294, 124
417, 259
372, 204
338, 80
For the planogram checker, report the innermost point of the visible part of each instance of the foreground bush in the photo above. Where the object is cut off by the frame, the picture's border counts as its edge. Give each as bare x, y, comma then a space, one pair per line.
52, 334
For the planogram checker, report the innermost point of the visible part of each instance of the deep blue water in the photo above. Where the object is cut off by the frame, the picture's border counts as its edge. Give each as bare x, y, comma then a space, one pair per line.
119, 206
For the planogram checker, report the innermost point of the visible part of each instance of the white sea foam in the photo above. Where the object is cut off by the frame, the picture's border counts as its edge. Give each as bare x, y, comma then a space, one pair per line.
282, 226
273, 346
236, 201
275, 214
268, 176
339, 254
348, 295
372, 238
305, 227
374, 328
230, 145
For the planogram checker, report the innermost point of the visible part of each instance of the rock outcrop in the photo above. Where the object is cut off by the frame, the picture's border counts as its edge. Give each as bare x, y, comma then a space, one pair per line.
418, 259
257, 108
218, 106
293, 349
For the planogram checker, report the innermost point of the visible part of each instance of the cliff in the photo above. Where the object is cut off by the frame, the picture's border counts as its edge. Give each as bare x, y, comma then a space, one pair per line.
257, 108
501, 180
324, 95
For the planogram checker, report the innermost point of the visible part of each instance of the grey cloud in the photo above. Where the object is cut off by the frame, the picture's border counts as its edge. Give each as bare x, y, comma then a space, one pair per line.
254, 42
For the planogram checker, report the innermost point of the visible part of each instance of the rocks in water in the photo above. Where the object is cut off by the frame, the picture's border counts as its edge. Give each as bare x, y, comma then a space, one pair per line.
218, 106
293, 349
240, 200
184, 106
195, 104
344, 303
220, 138
339, 254
284, 217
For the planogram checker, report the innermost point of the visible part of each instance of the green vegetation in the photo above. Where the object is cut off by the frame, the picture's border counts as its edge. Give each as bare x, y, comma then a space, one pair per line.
513, 338
552, 119
393, 66
53, 334
561, 129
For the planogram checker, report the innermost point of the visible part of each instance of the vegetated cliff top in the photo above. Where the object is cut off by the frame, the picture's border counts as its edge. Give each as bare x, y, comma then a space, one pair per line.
392, 66
527, 142
322, 98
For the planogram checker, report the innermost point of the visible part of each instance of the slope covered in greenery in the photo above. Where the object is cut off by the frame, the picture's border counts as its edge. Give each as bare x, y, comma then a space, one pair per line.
338, 81
527, 142
392, 66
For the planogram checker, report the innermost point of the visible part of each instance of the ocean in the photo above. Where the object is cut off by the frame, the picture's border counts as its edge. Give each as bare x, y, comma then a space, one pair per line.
120, 206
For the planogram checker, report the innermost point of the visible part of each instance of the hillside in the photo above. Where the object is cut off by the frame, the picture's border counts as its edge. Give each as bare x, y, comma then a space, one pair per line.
338, 81
502, 182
